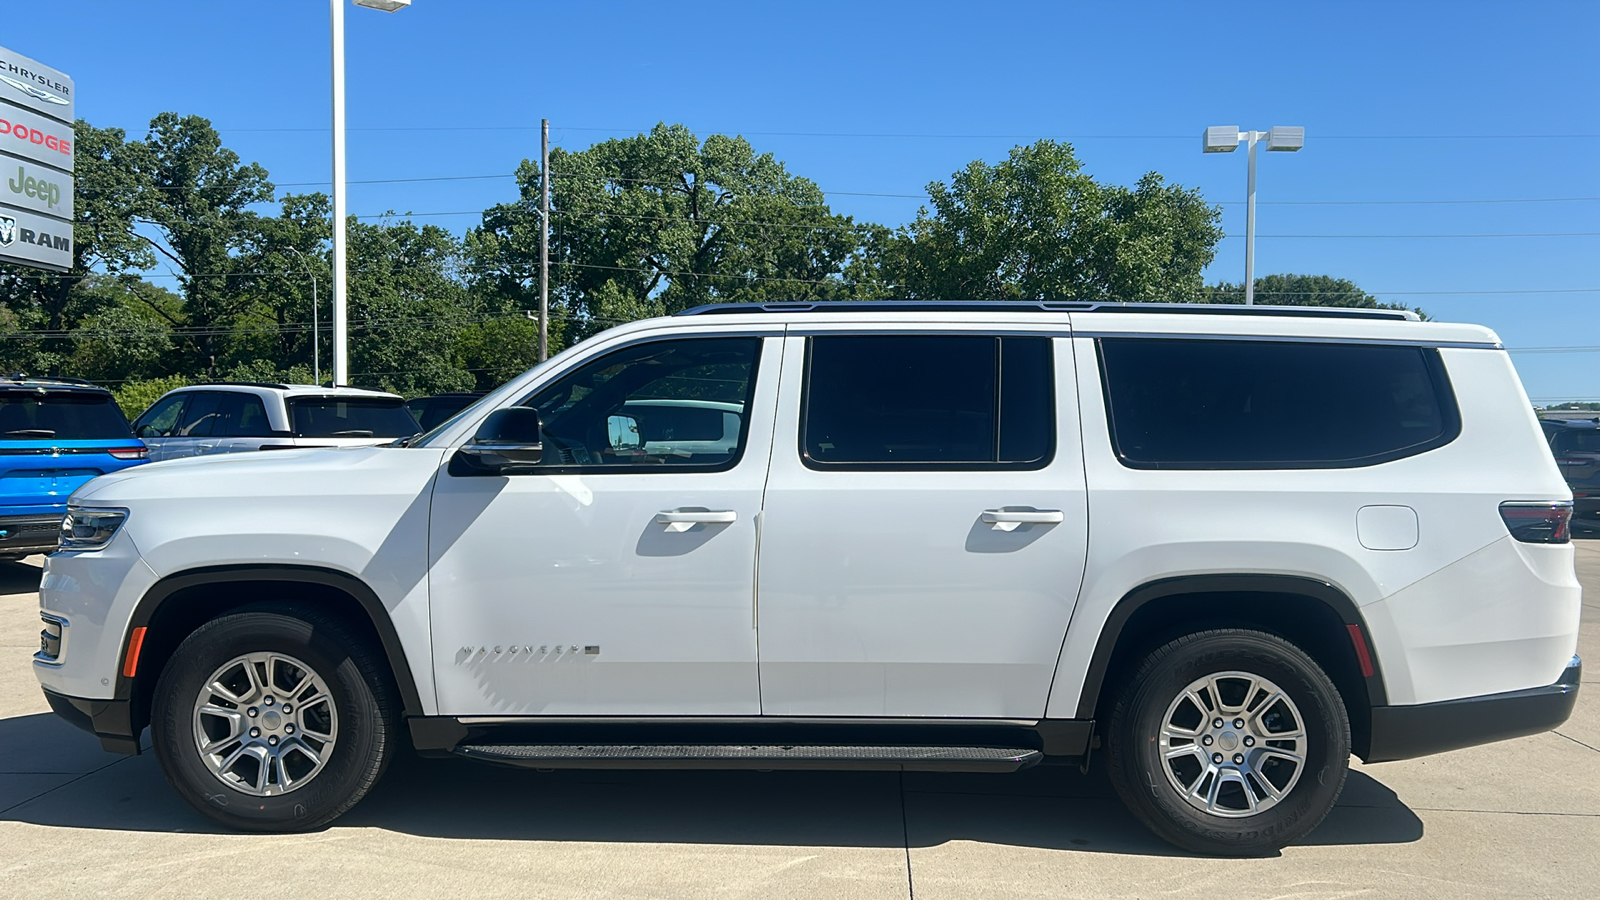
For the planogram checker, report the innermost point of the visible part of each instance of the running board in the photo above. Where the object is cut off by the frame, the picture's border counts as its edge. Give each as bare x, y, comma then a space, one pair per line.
753, 756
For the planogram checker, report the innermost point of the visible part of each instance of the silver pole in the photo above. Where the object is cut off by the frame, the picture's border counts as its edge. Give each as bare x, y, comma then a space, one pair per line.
544, 240
1250, 229
341, 361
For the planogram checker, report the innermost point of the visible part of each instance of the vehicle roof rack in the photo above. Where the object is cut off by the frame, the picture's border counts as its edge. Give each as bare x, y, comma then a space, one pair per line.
1206, 309
259, 384
50, 379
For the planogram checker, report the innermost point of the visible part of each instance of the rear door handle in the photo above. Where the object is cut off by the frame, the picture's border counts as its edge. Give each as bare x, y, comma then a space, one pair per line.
1009, 519
685, 519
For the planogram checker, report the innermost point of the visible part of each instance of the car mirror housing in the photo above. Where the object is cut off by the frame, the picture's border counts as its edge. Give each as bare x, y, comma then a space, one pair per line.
509, 442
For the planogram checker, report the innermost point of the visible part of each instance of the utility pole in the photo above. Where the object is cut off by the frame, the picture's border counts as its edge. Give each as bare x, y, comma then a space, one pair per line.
544, 240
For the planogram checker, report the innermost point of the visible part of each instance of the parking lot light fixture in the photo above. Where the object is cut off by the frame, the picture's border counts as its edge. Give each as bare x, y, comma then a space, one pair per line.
1226, 139
341, 325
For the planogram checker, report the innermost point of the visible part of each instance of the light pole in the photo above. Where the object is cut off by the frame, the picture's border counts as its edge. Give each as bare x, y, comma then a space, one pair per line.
341, 333
1225, 139
316, 331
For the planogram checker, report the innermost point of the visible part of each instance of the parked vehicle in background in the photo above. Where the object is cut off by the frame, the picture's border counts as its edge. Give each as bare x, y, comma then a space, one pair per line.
1223, 548
431, 412
234, 417
55, 434
1575, 443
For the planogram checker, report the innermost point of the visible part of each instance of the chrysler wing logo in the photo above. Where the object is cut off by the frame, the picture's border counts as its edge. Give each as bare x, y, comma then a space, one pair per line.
32, 91
8, 230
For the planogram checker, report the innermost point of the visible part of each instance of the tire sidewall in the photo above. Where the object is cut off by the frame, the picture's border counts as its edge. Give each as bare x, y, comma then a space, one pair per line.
1327, 751
356, 745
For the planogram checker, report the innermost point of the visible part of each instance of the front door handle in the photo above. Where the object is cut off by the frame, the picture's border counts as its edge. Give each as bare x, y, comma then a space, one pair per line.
1008, 519
685, 519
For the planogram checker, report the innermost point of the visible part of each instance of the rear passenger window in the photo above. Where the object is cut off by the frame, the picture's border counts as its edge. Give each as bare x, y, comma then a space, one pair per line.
928, 402
1219, 404
243, 415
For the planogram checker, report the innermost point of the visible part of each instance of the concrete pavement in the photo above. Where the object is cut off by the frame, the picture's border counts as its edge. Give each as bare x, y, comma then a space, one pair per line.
1521, 818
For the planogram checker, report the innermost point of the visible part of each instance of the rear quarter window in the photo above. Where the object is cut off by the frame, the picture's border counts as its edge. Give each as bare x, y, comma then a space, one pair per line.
1177, 403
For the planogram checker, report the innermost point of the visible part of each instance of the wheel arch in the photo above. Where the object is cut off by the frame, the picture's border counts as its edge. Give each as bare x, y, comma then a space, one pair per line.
1314, 615
179, 603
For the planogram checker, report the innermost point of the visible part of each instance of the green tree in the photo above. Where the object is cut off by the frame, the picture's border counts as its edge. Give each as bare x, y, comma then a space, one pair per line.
1036, 226
407, 303
1300, 290
659, 222
196, 199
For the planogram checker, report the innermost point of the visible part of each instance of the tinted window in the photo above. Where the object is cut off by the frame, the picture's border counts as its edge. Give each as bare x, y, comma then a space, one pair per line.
339, 417
662, 403
201, 415
243, 415
160, 419
61, 415
1576, 442
1263, 404
431, 412
931, 401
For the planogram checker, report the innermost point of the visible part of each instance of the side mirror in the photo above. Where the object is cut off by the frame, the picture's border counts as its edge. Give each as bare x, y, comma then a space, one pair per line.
623, 432
508, 442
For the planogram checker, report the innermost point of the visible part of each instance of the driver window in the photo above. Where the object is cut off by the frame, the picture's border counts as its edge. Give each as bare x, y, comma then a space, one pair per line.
158, 420
659, 404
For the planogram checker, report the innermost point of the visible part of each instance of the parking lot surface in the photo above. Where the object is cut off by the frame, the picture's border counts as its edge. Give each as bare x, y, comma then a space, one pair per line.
1516, 819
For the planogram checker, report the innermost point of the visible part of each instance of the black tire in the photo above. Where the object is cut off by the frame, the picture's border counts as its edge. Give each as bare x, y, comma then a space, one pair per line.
361, 692
1139, 771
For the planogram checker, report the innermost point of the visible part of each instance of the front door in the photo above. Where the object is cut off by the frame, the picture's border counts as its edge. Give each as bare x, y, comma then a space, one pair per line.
618, 579
925, 526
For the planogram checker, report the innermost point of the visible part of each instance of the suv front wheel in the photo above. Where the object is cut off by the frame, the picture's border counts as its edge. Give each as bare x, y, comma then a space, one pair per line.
272, 719
1229, 742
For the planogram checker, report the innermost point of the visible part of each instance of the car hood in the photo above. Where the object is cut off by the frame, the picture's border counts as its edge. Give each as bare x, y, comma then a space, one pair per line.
324, 471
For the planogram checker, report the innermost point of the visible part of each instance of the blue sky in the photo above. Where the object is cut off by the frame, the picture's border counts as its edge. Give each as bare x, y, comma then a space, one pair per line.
1403, 102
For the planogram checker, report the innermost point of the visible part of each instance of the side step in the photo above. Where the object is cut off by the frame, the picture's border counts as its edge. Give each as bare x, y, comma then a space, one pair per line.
753, 756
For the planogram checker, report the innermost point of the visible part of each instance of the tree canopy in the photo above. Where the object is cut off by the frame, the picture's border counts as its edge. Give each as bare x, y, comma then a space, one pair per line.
189, 265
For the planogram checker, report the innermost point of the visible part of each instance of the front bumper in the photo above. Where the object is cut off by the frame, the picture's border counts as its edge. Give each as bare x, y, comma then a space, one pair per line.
109, 720
1404, 732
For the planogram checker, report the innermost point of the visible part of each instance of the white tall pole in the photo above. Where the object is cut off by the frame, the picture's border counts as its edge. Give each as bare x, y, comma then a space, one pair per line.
341, 361
1250, 228
544, 240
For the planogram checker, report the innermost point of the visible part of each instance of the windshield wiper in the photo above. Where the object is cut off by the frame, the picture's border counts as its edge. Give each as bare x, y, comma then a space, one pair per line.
32, 433
354, 432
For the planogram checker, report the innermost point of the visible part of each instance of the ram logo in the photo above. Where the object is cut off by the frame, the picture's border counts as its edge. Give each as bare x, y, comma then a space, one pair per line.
8, 230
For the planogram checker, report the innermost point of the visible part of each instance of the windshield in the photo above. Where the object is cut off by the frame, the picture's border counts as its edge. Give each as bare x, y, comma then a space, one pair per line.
1577, 442
330, 417
61, 415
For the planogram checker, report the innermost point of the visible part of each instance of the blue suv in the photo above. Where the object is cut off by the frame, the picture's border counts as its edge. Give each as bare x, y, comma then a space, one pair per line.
55, 434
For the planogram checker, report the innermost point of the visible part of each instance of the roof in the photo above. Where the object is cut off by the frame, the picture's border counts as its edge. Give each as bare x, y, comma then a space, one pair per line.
292, 390
53, 383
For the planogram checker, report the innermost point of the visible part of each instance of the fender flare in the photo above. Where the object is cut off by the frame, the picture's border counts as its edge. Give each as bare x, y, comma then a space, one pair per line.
1330, 596
363, 594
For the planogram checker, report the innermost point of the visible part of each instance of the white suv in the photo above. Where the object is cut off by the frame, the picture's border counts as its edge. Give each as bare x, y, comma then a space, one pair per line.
1228, 547
230, 417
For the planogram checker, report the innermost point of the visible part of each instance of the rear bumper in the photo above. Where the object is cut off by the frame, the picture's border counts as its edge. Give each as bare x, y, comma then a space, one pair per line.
21, 535
1404, 732
108, 720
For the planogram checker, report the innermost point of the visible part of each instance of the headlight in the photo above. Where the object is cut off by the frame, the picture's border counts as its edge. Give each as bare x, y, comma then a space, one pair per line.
90, 529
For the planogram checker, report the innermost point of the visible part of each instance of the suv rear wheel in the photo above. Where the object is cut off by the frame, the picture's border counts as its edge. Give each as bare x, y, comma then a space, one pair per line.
1229, 742
272, 719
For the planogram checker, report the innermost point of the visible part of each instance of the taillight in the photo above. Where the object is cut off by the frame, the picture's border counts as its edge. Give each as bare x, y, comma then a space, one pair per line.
129, 452
1538, 523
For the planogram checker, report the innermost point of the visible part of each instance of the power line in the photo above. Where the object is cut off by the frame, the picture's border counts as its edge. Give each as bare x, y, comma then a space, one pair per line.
1030, 136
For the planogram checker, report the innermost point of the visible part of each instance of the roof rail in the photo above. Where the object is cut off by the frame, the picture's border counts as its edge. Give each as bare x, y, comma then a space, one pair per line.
1207, 309
259, 384
50, 379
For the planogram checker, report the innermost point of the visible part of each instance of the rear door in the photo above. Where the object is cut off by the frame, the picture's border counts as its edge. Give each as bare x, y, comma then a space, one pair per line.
243, 425
925, 525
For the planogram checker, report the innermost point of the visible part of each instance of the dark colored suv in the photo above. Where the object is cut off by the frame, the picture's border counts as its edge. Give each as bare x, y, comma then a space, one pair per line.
55, 434
1576, 445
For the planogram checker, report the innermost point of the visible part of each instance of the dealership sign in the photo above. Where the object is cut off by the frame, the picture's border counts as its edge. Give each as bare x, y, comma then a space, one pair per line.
32, 84
36, 152
35, 240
